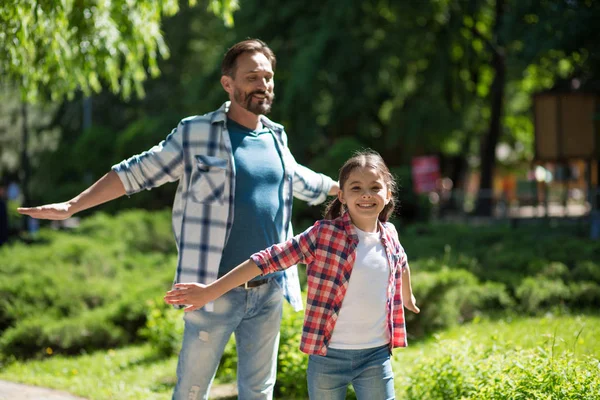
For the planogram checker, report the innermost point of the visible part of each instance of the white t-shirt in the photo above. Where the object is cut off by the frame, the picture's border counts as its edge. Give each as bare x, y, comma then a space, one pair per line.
362, 320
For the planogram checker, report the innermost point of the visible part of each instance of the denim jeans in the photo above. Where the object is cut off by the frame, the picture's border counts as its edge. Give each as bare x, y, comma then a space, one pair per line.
254, 315
369, 371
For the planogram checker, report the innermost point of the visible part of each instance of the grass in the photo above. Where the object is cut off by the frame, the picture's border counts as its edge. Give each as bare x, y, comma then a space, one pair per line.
462, 361
135, 373
131, 373
576, 333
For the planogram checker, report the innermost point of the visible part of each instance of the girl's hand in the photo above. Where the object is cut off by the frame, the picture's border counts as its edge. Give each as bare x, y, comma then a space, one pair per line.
194, 295
411, 304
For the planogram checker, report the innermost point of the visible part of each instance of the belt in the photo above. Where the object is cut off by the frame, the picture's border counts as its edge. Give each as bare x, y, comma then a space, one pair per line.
255, 283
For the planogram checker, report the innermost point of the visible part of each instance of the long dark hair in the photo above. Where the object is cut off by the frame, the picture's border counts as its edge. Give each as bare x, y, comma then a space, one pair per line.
369, 159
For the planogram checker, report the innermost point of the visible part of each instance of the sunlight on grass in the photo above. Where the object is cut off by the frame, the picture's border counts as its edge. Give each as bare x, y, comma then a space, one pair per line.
135, 373
577, 334
499, 356
131, 373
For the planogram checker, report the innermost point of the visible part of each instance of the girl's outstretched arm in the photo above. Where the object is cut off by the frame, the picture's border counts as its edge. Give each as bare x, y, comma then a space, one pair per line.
196, 295
407, 295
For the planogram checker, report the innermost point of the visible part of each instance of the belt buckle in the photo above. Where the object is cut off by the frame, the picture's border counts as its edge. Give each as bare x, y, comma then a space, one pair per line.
246, 285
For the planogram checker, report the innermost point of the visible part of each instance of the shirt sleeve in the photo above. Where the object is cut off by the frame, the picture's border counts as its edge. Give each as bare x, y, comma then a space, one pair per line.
311, 186
308, 185
299, 249
161, 164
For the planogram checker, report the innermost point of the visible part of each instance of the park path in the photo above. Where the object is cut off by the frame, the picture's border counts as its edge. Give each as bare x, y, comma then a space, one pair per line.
17, 391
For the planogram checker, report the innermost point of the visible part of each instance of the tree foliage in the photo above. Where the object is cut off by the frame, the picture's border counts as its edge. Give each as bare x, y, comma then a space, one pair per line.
55, 48
408, 78
405, 78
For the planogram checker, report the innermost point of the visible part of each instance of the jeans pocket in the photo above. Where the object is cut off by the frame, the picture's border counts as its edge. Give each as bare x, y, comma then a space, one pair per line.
277, 284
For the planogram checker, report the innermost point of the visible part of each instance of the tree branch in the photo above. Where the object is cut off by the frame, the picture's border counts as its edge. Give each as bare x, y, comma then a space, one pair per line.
490, 45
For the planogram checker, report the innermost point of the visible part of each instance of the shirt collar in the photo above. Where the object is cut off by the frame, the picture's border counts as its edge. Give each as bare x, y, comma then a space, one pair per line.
351, 229
221, 114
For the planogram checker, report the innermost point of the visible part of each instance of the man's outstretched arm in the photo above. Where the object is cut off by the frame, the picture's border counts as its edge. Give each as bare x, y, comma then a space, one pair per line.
107, 188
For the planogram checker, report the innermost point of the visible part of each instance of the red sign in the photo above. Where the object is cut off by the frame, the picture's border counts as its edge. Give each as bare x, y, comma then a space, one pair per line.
425, 173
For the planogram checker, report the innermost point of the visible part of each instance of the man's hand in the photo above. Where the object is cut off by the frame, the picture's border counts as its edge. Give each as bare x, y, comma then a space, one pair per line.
411, 304
57, 211
195, 295
107, 188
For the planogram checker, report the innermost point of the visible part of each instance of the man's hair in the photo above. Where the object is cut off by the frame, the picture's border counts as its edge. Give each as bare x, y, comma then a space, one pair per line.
229, 64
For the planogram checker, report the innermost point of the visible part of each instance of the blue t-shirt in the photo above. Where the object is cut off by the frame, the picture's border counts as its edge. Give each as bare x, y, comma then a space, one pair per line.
258, 213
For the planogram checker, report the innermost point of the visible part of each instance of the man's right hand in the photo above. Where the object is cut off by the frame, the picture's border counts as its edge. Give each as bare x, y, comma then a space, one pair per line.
57, 211
107, 188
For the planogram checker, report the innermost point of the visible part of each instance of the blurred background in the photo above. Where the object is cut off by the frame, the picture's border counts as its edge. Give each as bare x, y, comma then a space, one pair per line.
487, 112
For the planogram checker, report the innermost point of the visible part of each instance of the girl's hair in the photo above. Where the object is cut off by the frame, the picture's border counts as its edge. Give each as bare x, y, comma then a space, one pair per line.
362, 159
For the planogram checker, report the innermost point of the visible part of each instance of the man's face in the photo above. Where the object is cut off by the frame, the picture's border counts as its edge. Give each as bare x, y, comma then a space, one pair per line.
252, 86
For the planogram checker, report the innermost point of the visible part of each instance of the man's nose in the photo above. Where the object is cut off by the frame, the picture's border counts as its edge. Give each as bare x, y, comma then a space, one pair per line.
262, 84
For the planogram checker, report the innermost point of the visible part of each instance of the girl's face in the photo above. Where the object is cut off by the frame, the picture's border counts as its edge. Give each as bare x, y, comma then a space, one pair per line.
365, 194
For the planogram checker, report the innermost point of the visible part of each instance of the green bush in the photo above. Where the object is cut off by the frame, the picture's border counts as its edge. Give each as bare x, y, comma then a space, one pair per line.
70, 276
584, 295
515, 258
164, 331
538, 294
164, 328
291, 362
450, 296
461, 369
586, 271
40, 336
138, 230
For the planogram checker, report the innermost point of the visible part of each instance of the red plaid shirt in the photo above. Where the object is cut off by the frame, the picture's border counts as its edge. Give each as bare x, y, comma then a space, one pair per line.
328, 249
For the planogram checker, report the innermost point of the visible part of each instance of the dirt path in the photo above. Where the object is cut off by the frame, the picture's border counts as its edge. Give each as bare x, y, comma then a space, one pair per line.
17, 391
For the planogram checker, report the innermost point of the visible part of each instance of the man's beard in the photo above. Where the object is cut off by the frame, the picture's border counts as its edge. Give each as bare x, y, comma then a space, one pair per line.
261, 107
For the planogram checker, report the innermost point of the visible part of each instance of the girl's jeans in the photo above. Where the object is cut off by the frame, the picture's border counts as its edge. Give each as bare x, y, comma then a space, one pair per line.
254, 315
369, 371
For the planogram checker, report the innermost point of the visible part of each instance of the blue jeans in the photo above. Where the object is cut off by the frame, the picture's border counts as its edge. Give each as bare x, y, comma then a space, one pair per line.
254, 315
369, 371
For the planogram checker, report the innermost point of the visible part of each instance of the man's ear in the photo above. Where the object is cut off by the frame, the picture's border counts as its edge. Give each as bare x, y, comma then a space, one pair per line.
227, 83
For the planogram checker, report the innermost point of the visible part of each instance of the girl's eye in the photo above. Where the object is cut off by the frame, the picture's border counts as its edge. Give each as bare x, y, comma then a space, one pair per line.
251, 78
354, 188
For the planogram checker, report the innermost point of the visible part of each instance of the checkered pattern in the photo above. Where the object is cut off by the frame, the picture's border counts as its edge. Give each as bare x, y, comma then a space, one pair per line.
198, 154
328, 249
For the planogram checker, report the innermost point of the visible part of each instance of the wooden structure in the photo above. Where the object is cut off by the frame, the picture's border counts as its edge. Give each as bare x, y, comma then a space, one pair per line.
567, 129
566, 126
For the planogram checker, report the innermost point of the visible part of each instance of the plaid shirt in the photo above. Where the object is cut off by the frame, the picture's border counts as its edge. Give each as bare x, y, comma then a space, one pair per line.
198, 154
328, 249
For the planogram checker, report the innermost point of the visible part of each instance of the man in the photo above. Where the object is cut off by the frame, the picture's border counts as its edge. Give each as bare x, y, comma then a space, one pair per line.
236, 182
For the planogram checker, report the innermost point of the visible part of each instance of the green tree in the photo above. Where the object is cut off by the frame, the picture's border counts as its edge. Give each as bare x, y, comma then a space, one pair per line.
188, 85
55, 48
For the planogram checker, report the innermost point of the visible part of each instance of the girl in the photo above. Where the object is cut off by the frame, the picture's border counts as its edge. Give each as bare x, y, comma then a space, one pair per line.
358, 282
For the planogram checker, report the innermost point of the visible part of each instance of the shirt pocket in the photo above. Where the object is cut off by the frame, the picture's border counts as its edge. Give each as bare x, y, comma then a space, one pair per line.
208, 179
